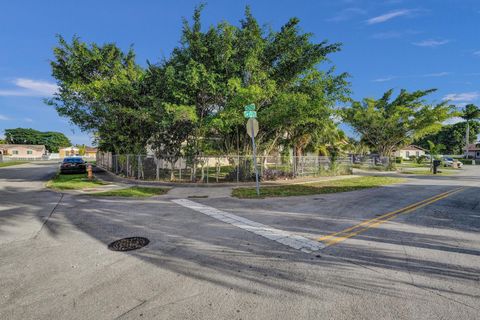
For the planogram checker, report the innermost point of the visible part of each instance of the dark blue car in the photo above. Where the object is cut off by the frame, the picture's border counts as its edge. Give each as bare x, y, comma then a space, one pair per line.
73, 165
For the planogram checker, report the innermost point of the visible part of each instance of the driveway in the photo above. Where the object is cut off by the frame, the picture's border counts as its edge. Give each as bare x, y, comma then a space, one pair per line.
219, 258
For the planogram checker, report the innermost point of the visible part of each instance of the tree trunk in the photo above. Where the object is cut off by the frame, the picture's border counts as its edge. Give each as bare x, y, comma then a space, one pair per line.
467, 139
172, 172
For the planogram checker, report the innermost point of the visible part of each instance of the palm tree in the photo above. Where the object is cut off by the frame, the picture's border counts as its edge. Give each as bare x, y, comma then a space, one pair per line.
435, 150
471, 112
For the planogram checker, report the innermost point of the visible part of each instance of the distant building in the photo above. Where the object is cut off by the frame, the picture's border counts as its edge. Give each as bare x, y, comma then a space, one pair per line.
68, 152
474, 151
90, 152
411, 150
17, 151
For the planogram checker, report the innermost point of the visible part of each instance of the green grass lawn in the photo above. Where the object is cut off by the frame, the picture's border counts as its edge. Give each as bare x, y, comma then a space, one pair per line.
138, 192
443, 172
11, 163
331, 186
72, 182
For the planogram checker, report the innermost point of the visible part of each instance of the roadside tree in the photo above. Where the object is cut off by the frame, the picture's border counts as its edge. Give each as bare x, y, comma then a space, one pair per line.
386, 124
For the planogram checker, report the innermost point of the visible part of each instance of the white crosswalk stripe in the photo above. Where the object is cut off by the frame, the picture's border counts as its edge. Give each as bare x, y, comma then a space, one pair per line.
280, 236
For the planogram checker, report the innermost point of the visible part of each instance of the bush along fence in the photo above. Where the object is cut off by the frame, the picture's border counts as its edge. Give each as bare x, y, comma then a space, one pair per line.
212, 169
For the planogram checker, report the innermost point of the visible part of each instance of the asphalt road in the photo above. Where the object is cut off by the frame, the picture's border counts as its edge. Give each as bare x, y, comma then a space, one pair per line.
417, 264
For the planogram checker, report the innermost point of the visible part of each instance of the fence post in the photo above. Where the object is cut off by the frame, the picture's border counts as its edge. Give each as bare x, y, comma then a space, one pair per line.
128, 165
180, 169
207, 168
138, 167
238, 168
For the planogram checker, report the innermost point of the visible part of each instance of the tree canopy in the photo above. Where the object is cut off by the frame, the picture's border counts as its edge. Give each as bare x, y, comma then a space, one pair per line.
452, 137
386, 124
52, 140
192, 101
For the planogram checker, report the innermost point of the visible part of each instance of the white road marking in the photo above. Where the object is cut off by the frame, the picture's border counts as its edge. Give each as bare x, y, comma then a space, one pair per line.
280, 236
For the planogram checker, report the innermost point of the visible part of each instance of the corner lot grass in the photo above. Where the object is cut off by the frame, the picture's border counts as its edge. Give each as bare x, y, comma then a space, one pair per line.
72, 182
11, 163
331, 186
138, 192
443, 172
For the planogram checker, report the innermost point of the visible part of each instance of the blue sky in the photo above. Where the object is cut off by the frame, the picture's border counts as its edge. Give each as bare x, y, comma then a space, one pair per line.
386, 44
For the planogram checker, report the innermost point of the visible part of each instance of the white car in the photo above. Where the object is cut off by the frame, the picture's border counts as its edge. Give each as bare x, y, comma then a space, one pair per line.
448, 162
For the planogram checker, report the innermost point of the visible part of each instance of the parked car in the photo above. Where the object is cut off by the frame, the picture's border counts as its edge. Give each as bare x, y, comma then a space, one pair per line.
448, 162
73, 165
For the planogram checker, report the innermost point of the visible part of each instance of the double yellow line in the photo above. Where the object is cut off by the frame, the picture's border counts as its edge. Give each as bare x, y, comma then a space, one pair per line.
343, 235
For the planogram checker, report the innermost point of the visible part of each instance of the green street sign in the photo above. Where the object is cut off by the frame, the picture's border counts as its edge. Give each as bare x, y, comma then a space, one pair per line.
250, 107
250, 114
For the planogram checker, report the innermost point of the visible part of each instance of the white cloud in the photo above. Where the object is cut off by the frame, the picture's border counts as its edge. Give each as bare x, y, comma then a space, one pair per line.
389, 15
431, 43
426, 75
477, 53
384, 79
466, 96
347, 14
4, 118
30, 88
28, 119
453, 120
438, 74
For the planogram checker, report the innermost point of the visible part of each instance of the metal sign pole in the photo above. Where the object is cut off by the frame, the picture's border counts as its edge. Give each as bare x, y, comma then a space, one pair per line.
255, 161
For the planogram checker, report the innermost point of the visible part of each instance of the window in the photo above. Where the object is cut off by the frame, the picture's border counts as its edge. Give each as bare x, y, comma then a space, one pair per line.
417, 153
407, 153
14, 151
29, 152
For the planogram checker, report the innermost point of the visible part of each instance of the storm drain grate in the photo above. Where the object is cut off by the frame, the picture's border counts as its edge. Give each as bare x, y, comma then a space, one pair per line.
127, 244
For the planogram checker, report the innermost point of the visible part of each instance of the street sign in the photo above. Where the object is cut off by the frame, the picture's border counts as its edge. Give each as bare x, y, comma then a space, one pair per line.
250, 107
252, 127
250, 114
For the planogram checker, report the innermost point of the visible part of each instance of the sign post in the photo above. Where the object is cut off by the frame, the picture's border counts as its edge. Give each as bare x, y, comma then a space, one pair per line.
252, 130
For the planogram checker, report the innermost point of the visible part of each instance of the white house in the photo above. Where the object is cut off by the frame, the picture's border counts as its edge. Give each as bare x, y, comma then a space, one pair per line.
411, 150
474, 151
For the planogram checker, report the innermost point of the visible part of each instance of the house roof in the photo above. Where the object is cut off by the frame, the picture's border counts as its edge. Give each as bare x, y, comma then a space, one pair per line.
474, 147
412, 148
91, 149
36, 147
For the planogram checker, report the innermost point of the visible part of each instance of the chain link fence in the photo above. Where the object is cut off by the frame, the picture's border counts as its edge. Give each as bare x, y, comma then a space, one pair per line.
213, 169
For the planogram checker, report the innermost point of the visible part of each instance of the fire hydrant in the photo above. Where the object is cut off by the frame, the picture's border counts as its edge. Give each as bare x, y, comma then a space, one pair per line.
89, 172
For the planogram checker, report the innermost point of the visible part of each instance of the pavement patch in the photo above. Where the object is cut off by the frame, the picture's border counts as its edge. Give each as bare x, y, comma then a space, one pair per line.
291, 240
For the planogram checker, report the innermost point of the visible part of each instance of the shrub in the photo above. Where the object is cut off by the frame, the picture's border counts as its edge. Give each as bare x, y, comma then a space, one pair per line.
421, 159
398, 160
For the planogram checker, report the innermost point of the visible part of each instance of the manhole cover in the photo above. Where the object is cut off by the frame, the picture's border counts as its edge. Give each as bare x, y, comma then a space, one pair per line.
128, 244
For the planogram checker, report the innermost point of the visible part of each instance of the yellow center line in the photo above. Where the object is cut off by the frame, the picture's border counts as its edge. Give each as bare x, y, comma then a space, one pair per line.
371, 223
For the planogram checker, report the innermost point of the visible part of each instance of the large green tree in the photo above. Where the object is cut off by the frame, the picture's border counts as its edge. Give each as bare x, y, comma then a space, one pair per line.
470, 114
452, 137
387, 124
100, 90
52, 140
192, 101
222, 69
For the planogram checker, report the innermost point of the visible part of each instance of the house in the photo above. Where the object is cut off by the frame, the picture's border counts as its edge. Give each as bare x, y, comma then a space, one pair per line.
474, 151
90, 152
411, 150
68, 152
27, 151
